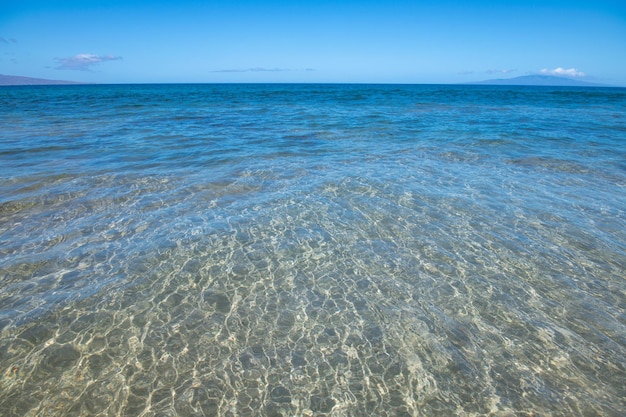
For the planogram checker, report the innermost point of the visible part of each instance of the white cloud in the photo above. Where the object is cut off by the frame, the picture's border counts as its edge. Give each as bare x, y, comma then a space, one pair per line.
572, 72
500, 71
83, 62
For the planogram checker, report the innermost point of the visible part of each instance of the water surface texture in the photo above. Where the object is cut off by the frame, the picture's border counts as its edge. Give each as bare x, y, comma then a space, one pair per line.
312, 250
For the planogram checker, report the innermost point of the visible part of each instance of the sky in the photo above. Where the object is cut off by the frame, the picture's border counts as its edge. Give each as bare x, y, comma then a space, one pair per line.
322, 41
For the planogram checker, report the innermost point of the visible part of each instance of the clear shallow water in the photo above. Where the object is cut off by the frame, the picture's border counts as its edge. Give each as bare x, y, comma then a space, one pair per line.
305, 250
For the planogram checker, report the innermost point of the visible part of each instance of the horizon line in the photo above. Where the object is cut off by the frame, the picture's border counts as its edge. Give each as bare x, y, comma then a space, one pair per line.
501, 82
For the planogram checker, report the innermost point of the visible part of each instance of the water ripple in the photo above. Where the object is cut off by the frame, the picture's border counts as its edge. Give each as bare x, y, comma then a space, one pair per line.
312, 250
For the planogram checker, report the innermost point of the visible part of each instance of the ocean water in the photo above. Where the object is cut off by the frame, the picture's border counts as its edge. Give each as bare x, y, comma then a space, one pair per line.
312, 250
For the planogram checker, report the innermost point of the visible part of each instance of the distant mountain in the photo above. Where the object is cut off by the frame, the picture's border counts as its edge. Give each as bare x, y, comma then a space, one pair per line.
17, 80
547, 80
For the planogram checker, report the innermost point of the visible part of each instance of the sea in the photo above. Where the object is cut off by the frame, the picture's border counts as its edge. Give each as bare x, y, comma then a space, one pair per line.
312, 250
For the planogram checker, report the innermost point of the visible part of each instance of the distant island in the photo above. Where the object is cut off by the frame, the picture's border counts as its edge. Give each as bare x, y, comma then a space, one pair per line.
538, 80
17, 80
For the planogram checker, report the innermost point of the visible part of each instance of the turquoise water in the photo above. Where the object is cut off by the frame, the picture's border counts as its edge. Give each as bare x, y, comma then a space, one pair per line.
312, 250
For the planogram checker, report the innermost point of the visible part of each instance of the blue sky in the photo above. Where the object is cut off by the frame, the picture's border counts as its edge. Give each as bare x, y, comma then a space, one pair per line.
393, 41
